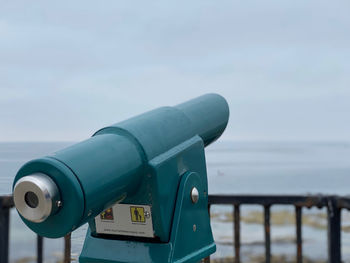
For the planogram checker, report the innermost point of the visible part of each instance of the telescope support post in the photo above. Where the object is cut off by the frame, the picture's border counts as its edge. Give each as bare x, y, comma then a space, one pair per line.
190, 238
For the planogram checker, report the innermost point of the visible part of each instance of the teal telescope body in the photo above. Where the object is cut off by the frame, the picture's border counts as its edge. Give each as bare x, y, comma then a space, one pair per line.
141, 184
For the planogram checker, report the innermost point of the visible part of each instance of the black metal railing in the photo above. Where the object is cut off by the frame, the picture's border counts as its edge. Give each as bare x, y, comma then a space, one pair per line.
6, 204
334, 205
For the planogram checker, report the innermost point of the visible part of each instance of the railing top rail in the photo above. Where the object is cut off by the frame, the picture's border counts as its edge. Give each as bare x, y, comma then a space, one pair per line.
268, 200
6, 201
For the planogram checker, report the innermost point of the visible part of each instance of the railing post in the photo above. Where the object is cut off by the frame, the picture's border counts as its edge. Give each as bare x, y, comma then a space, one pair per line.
237, 233
334, 231
39, 249
4, 232
207, 259
299, 239
267, 233
67, 248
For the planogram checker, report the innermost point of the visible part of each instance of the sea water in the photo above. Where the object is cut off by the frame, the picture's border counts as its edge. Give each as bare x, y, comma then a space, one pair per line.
233, 168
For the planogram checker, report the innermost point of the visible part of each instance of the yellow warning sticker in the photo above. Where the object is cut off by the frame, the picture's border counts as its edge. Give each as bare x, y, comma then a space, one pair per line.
137, 214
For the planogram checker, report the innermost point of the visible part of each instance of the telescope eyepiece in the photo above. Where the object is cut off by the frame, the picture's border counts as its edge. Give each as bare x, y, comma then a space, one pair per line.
31, 199
36, 197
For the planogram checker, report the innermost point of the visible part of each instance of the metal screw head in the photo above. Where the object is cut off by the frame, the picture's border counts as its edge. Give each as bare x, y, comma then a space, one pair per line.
147, 214
194, 195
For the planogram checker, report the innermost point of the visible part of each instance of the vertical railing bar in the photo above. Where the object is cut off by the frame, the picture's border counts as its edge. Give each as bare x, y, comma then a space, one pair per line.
4, 232
299, 240
267, 233
334, 231
237, 233
207, 259
39, 249
67, 248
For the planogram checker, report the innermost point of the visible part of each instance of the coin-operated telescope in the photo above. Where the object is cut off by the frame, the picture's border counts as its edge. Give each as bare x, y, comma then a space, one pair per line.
141, 185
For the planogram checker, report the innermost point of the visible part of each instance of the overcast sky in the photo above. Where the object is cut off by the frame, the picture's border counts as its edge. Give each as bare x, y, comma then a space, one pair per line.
68, 68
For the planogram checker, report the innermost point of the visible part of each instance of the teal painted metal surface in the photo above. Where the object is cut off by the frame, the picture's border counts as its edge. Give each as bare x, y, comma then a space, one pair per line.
166, 168
191, 238
191, 232
152, 159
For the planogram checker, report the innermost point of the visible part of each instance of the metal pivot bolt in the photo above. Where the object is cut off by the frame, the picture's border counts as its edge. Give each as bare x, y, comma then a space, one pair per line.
194, 195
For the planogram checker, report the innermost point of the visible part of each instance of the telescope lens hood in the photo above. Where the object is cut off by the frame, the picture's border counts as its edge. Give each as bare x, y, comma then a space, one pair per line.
36, 197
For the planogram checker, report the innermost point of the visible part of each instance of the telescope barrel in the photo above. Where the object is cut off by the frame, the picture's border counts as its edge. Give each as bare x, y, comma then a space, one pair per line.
92, 175
208, 114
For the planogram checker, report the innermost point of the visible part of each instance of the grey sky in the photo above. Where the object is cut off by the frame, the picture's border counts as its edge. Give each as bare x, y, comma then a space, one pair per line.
68, 68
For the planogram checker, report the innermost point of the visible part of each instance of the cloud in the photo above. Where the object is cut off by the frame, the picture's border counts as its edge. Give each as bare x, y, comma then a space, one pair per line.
68, 68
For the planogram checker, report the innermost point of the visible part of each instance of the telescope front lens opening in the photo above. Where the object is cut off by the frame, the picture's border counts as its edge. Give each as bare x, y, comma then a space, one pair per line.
31, 199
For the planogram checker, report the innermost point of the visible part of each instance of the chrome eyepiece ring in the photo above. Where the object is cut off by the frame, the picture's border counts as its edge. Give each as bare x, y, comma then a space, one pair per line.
36, 197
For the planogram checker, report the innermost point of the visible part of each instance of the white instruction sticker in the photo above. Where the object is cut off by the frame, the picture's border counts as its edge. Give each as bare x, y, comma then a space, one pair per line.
127, 220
